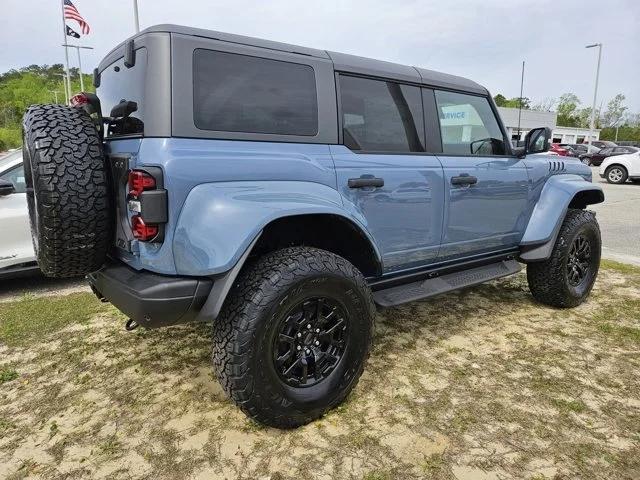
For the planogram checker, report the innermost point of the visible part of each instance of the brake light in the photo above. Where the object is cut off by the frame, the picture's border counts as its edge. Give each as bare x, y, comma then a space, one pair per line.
140, 181
79, 100
141, 230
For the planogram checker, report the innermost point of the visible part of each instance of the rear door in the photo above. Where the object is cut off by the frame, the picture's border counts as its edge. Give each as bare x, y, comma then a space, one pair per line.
383, 172
486, 189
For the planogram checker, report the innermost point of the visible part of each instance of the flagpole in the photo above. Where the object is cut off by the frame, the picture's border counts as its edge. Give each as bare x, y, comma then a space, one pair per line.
67, 84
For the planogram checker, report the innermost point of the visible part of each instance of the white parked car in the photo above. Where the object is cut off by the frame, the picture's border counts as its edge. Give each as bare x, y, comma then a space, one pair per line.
16, 248
620, 168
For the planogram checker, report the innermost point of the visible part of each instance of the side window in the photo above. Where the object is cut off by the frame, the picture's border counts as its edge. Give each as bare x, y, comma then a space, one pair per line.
16, 176
468, 125
381, 116
606, 151
239, 93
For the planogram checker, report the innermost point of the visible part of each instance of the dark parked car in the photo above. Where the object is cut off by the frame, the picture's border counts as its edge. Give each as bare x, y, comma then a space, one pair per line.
603, 143
581, 149
596, 159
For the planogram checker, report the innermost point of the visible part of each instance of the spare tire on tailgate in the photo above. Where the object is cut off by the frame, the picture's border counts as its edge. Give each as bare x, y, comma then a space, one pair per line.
68, 190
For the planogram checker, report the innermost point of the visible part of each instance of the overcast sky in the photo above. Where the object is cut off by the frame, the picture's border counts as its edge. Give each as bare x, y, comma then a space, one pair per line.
485, 40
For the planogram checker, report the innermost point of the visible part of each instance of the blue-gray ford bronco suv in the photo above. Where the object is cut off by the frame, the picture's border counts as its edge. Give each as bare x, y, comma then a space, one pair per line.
281, 192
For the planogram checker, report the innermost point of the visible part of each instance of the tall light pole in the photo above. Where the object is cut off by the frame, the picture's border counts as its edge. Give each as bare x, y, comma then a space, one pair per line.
78, 47
135, 15
55, 93
520, 102
595, 91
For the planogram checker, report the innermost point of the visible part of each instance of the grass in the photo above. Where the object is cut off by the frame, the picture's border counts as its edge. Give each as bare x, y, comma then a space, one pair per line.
566, 406
481, 383
7, 374
623, 268
29, 319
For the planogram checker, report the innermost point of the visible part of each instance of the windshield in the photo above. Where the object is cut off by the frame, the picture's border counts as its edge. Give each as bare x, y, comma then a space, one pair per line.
6, 160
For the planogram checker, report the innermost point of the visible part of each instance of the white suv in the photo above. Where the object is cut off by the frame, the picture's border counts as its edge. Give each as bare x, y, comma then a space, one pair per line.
16, 248
619, 168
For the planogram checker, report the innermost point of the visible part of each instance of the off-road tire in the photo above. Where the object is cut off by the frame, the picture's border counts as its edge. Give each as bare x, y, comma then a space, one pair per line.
549, 281
262, 295
68, 193
620, 178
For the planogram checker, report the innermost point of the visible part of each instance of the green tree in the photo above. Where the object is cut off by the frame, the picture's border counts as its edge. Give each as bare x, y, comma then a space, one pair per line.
568, 114
615, 111
26, 86
502, 101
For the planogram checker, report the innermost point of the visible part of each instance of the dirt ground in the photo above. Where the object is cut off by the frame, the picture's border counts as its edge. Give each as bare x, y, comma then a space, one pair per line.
479, 384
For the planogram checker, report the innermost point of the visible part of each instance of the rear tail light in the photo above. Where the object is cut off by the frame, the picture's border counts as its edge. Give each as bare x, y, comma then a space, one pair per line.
147, 204
79, 100
139, 181
142, 231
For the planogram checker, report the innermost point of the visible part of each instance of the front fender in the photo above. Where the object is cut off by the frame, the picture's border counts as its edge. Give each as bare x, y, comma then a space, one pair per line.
549, 212
219, 221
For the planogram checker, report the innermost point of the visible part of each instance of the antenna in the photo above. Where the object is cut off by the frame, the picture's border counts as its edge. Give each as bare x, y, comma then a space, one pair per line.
520, 102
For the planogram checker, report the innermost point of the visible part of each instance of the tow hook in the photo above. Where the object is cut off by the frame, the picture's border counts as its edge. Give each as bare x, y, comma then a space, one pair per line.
131, 325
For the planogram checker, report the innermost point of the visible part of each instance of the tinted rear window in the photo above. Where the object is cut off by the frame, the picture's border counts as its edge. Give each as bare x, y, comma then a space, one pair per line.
118, 83
381, 116
239, 93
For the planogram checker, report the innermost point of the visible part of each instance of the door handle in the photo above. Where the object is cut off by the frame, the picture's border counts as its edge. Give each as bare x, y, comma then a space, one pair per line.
365, 182
464, 179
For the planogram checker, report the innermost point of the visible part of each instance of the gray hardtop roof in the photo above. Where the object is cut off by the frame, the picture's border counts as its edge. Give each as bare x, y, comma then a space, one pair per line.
341, 61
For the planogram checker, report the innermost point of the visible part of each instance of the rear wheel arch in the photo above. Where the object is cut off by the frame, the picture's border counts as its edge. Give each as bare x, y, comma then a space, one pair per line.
327, 231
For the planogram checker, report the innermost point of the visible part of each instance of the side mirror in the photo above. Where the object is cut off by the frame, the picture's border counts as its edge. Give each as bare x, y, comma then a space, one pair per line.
6, 187
537, 140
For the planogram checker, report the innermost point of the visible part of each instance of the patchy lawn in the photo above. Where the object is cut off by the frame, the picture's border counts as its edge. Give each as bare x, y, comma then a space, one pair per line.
478, 384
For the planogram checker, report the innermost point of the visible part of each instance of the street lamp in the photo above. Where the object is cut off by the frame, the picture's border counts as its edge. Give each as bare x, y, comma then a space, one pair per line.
595, 91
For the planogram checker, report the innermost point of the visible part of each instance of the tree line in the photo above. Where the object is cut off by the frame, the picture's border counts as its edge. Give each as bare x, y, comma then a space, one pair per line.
614, 116
26, 86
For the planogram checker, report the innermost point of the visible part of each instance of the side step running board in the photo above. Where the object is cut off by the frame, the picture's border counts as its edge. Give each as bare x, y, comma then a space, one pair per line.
446, 283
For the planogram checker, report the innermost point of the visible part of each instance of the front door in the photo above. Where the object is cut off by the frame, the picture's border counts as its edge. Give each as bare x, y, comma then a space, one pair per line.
15, 241
486, 190
383, 173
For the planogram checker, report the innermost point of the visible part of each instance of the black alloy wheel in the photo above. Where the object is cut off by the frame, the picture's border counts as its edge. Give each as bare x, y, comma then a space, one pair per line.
311, 342
578, 261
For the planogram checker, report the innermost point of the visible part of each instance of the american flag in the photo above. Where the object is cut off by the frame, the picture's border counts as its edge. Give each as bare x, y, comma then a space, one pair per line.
72, 13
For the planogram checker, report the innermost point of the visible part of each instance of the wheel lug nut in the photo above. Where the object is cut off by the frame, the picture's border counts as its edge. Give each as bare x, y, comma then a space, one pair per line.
317, 342
317, 330
299, 335
299, 347
309, 326
307, 351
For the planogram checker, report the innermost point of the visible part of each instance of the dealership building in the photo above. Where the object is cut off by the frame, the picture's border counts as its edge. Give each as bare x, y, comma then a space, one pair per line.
533, 118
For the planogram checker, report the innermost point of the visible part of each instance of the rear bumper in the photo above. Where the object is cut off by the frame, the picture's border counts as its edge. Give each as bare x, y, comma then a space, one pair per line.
150, 299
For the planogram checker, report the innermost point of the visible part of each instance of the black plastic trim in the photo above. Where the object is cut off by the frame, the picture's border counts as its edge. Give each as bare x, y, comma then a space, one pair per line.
437, 269
153, 206
151, 299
